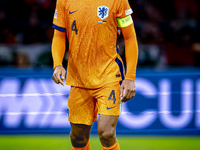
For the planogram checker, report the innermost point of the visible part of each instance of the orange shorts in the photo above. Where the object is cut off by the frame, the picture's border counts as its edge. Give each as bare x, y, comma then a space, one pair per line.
84, 104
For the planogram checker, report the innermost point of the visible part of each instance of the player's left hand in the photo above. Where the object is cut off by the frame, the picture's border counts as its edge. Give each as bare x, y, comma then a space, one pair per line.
127, 90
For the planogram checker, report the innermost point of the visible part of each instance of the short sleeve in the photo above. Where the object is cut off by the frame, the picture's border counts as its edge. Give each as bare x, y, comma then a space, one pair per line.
59, 16
124, 9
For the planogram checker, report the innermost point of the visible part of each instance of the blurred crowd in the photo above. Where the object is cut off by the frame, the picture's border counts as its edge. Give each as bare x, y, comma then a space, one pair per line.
168, 31
26, 21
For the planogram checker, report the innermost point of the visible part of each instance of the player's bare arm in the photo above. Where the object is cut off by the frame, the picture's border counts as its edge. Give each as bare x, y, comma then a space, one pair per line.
127, 89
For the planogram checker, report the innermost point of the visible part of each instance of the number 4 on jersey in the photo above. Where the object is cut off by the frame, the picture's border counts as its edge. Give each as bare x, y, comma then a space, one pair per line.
74, 27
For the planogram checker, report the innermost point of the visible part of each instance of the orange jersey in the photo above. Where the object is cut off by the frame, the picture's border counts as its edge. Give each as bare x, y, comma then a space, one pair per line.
91, 27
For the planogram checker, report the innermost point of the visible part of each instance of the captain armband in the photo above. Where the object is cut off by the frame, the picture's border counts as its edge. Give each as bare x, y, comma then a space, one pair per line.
124, 22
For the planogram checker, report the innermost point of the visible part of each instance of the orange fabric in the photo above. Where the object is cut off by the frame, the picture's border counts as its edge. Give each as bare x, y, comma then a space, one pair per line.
92, 35
87, 147
114, 147
131, 51
58, 47
84, 104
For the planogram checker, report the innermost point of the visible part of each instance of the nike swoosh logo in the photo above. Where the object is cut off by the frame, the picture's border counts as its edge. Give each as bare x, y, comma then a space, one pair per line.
110, 107
72, 12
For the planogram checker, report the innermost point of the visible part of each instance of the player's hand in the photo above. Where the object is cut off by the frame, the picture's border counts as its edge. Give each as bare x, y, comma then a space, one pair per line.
59, 75
127, 90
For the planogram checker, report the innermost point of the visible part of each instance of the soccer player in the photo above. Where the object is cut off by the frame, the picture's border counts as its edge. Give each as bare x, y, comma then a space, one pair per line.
95, 70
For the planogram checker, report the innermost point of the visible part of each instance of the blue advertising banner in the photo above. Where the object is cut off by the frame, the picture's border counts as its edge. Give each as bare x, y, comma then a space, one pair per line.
166, 102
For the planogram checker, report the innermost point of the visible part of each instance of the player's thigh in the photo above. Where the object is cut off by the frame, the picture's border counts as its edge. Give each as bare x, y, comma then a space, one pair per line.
108, 99
107, 123
81, 106
107, 130
80, 131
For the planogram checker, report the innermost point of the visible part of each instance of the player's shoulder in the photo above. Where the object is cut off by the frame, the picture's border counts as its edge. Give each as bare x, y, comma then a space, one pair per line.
121, 2
62, 1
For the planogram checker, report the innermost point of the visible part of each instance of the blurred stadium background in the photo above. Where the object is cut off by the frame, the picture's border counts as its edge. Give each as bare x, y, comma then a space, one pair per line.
164, 115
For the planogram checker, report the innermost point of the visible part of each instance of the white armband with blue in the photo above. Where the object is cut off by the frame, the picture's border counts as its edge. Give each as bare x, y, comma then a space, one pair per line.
124, 22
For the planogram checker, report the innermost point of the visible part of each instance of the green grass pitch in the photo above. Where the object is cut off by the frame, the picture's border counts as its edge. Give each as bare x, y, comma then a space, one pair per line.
54, 142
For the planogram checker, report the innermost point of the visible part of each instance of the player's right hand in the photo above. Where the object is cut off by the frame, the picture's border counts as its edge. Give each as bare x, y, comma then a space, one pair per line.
59, 75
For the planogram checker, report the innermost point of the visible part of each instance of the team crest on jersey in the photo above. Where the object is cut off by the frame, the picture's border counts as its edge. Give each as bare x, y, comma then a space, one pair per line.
103, 12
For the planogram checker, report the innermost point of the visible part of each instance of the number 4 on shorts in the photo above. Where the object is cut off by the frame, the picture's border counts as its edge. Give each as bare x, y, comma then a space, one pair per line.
112, 96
